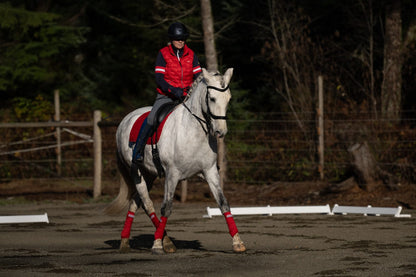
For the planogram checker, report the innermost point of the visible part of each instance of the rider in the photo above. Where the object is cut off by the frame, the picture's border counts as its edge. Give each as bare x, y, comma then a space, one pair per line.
176, 68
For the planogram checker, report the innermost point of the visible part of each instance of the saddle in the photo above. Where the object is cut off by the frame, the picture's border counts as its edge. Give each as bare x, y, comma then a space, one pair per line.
163, 112
160, 119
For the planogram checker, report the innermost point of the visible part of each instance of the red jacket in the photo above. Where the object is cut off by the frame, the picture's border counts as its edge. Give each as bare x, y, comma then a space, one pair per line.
177, 71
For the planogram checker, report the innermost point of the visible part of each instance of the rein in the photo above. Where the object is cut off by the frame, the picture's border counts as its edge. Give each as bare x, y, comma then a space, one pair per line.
200, 120
210, 114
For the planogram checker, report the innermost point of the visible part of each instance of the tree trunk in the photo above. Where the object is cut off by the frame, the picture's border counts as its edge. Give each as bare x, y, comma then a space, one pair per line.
212, 65
364, 166
391, 87
367, 174
209, 40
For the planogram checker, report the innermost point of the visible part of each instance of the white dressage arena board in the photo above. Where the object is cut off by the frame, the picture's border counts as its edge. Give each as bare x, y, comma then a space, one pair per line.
272, 210
369, 210
344, 210
24, 218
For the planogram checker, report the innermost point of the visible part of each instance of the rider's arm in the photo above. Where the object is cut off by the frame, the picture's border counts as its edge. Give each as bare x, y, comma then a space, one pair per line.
196, 68
160, 73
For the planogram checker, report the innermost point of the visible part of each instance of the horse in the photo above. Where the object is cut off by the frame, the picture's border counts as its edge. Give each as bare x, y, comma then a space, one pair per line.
187, 147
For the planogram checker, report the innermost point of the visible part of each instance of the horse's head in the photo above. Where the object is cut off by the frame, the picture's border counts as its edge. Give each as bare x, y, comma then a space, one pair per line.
217, 97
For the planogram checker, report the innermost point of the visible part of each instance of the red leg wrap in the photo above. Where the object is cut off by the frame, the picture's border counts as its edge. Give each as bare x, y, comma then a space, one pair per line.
154, 219
161, 228
231, 224
125, 234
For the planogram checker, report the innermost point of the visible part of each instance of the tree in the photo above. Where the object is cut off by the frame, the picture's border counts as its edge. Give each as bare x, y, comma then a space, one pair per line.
392, 80
365, 51
209, 41
293, 59
212, 65
37, 53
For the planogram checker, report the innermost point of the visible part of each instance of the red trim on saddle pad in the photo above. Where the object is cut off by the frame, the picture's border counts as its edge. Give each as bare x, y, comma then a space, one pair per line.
138, 124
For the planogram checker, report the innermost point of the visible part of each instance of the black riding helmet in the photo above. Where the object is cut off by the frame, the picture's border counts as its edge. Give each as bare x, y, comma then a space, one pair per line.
177, 31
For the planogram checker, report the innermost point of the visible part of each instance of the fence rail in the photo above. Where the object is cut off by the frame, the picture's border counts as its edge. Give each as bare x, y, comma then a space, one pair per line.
29, 144
50, 124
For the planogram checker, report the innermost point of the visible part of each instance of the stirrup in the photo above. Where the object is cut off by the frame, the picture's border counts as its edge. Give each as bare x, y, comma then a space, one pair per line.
134, 168
138, 160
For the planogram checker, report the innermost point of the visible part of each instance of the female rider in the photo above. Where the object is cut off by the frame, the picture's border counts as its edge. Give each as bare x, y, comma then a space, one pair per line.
177, 66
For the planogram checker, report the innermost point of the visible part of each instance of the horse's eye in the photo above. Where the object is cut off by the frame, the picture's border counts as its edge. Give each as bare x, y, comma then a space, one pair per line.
212, 99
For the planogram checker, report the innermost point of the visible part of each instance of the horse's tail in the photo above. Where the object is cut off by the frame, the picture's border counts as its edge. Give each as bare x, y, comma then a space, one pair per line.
121, 202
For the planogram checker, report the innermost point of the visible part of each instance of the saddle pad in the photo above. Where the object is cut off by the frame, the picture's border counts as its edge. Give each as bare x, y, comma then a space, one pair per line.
134, 132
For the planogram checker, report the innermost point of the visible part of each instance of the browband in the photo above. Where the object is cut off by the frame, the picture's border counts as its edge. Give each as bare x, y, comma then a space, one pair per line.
219, 89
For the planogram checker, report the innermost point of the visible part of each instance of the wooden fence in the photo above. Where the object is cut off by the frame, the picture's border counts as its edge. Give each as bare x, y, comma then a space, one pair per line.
59, 126
96, 140
265, 150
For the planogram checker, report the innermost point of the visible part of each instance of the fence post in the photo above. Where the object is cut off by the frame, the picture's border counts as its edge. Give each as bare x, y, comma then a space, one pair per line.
321, 126
97, 155
184, 190
57, 118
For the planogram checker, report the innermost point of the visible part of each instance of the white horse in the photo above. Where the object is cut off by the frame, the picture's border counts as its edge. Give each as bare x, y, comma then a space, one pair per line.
187, 147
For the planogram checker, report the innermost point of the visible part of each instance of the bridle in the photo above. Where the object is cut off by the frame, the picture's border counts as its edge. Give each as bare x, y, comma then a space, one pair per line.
209, 114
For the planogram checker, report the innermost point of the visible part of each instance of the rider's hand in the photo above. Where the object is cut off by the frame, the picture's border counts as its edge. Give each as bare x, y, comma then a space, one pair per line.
177, 92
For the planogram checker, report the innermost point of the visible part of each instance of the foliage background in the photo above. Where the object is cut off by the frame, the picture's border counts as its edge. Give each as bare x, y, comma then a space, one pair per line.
101, 54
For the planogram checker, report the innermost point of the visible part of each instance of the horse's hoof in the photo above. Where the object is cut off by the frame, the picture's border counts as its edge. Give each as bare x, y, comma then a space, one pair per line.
239, 248
238, 244
157, 248
158, 251
168, 245
124, 246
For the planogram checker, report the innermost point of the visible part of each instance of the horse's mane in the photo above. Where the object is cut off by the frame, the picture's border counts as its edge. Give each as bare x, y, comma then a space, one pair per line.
195, 83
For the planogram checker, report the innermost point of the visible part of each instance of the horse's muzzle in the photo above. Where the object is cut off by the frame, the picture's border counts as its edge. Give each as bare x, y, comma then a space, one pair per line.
220, 134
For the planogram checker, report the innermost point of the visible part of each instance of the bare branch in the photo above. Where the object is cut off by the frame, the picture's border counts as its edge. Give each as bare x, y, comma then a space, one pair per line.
161, 21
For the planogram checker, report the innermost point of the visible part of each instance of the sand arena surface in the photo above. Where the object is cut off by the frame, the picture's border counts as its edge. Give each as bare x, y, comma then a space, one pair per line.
81, 241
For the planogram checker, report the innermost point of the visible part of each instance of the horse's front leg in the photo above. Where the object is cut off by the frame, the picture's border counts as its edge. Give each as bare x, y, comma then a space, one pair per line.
213, 180
166, 209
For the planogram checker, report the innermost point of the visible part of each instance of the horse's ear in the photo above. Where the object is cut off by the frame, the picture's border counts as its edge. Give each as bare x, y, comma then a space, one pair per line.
227, 75
205, 73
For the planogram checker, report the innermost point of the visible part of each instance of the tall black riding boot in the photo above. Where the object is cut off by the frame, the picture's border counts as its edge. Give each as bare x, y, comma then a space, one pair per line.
138, 150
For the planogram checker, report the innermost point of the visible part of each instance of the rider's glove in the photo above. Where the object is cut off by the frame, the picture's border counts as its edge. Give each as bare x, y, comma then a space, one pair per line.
177, 92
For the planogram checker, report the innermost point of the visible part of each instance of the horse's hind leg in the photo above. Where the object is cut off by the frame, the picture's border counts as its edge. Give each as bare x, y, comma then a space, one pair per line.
128, 189
147, 204
213, 180
125, 234
135, 202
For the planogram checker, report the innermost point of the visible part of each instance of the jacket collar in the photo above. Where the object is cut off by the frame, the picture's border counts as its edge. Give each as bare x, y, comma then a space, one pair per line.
182, 52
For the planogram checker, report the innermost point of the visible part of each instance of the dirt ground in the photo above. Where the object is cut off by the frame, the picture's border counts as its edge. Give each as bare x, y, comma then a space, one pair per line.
81, 240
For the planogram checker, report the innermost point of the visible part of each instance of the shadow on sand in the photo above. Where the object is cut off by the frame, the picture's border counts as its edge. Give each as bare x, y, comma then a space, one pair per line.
145, 242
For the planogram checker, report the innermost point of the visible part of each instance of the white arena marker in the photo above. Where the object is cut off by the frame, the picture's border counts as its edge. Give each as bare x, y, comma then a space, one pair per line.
272, 210
24, 218
377, 211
